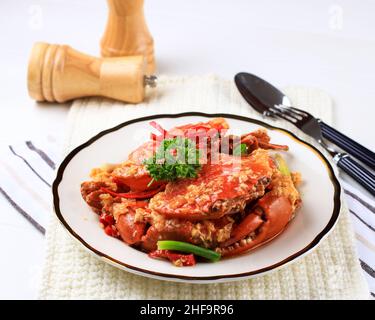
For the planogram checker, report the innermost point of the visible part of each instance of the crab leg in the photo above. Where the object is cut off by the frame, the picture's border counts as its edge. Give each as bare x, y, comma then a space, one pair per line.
273, 146
253, 142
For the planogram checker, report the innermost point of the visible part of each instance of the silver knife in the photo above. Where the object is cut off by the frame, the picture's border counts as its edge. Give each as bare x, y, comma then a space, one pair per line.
269, 101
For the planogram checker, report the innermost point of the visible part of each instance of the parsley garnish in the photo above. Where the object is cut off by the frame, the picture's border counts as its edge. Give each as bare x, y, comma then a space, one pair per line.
240, 150
174, 158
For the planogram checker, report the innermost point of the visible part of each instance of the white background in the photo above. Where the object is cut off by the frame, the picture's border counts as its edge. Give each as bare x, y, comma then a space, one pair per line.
325, 44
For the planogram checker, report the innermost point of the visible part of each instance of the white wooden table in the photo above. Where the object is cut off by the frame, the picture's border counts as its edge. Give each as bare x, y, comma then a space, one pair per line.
328, 45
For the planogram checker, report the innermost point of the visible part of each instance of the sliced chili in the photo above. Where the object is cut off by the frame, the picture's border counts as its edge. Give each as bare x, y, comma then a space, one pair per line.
111, 231
159, 128
177, 259
120, 183
106, 219
154, 137
134, 195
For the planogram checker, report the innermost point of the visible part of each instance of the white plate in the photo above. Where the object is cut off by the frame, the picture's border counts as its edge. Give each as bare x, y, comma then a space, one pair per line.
320, 194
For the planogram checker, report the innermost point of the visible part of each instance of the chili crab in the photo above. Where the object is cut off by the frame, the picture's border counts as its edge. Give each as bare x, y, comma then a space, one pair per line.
232, 203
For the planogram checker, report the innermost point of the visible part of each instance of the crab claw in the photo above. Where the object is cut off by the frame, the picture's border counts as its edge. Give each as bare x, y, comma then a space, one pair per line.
269, 218
248, 225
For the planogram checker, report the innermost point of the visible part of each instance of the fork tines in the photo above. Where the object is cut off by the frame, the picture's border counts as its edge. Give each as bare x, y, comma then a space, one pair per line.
289, 113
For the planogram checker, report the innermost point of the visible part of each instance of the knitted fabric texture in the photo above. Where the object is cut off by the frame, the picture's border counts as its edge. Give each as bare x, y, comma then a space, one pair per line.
332, 271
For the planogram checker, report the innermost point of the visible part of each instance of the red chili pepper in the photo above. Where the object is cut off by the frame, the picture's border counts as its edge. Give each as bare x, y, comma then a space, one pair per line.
177, 259
120, 183
154, 137
111, 231
134, 195
106, 219
159, 128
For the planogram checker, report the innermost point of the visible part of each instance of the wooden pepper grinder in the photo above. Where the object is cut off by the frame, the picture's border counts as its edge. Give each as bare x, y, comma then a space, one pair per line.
58, 73
127, 33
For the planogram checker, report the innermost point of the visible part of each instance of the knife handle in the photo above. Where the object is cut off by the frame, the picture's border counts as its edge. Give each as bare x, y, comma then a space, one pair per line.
354, 148
356, 171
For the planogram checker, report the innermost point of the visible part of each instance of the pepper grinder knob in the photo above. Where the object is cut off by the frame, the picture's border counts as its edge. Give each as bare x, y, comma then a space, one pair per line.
58, 73
126, 32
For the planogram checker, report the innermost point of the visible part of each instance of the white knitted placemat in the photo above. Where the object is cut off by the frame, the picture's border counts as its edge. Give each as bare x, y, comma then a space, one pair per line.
330, 272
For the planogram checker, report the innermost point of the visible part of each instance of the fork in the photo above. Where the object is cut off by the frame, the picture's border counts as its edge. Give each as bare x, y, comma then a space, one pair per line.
310, 125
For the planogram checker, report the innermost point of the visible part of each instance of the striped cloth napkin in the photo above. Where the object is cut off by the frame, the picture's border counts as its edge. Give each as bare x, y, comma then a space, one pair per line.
27, 171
